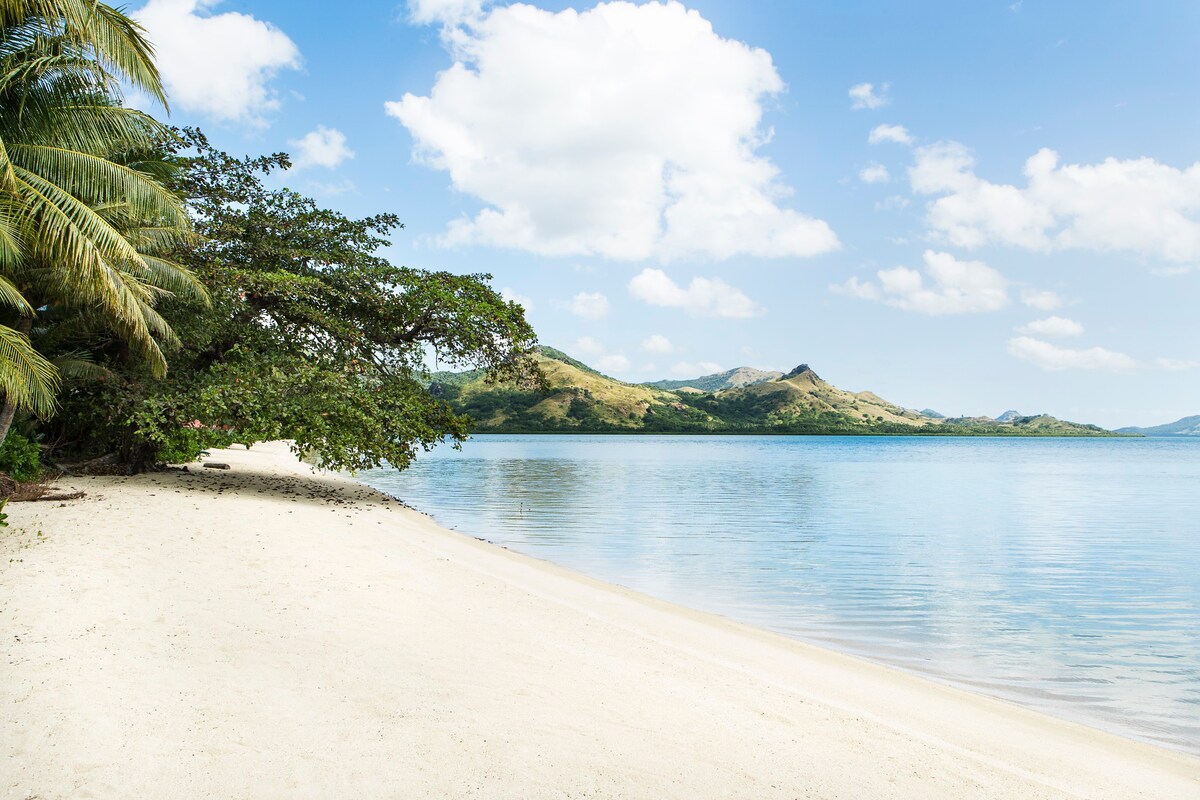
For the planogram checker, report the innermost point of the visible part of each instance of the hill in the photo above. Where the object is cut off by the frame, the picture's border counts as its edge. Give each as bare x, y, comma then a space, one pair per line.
730, 379
1188, 426
578, 398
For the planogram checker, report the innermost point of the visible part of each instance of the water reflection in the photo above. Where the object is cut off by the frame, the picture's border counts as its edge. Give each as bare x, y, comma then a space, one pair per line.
1064, 574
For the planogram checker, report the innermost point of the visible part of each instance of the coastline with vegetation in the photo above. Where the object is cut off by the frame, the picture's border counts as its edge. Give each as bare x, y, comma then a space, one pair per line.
268, 629
576, 398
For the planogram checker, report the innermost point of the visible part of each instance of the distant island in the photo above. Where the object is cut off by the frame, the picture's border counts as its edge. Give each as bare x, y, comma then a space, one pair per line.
1188, 426
578, 398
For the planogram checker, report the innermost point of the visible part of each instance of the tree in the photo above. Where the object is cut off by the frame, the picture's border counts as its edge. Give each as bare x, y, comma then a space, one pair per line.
310, 336
83, 207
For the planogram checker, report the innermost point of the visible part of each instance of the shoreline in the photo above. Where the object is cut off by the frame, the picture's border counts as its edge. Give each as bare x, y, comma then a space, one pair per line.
269, 630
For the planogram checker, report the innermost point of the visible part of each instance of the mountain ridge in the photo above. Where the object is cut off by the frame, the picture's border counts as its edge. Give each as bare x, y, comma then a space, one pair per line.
578, 398
729, 379
1185, 426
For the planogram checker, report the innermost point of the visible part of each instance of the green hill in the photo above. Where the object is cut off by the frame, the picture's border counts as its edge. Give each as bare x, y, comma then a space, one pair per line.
581, 399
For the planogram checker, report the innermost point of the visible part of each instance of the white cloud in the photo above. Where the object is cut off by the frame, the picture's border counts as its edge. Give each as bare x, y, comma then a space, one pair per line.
863, 95
1171, 272
1054, 358
613, 363
1135, 206
657, 343
956, 287
706, 297
520, 299
1175, 364
1041, 300
688, 369
219, 65
891, 203
587, 346
445, 12
874, 173
1052, 326
889, 133
624, 131
323, 147
589, 305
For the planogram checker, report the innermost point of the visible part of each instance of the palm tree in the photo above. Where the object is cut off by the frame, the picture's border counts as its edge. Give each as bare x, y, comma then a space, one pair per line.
82, 208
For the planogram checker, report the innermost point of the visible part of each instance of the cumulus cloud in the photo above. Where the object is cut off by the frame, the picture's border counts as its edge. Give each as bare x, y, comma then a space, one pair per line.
705, 297
889, 133
1042, 300
657, 343
1052, 326
220, 65
513, 297
624, 131
323, 147
1053, 358
444, 12
874, 173
1135, 206
587, 346
954, 287
863, 95
589, 305
615, 362
688, 369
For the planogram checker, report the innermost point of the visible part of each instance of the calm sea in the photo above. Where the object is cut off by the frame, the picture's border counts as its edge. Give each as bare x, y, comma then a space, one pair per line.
1063, 574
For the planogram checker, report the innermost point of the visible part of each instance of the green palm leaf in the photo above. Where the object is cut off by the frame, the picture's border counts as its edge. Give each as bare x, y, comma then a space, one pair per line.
28, 380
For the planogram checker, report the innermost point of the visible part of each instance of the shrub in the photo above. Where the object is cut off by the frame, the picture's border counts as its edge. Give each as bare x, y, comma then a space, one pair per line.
20, 458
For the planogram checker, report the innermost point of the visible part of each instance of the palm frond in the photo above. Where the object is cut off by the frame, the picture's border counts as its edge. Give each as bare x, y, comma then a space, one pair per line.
28, 380
94, 180
8, 181
70, 233
174, 278
79, 365
117, 42
11, 296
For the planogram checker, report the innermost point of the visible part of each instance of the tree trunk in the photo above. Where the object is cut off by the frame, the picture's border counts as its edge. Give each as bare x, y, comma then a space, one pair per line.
10, 408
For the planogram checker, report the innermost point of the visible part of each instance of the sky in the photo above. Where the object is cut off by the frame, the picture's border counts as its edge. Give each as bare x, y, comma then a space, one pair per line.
970, 207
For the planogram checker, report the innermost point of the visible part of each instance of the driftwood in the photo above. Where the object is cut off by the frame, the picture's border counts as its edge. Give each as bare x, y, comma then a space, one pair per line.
215, 465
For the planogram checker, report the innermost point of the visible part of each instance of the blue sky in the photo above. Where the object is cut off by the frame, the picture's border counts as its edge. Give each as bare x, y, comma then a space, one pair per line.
964, 206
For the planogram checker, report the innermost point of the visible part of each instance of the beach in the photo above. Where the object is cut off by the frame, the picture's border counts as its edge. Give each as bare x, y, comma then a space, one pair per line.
269, 631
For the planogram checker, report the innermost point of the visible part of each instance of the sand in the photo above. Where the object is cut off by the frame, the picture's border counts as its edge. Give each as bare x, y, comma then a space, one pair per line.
267, 632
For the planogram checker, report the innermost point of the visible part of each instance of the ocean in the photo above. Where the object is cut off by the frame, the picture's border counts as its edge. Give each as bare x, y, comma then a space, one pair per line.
1061, 574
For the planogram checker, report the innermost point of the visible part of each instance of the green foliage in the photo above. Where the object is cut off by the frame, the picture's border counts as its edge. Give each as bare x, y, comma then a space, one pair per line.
84, 213
306, 334
20, 458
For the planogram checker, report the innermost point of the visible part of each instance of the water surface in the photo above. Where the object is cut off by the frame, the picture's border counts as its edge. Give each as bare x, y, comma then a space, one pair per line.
1063, 574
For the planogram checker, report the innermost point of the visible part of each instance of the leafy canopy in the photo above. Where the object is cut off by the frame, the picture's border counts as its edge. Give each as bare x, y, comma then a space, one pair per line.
310, 335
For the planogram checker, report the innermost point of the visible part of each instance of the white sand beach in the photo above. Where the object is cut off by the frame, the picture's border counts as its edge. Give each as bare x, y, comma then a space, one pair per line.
268, 632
